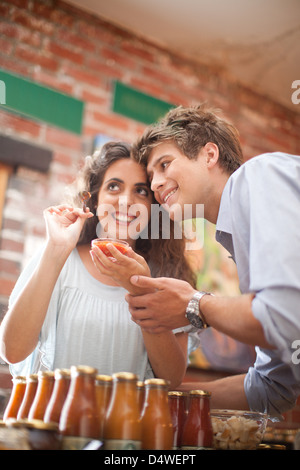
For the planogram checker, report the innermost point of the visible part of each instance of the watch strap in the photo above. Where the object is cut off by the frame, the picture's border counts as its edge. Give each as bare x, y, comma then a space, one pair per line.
199, 296
193, 312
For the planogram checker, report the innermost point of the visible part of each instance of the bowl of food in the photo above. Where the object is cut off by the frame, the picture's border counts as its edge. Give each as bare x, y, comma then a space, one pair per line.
102, 243
237, 430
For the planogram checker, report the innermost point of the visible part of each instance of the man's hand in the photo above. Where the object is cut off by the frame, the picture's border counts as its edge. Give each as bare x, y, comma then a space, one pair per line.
164, 308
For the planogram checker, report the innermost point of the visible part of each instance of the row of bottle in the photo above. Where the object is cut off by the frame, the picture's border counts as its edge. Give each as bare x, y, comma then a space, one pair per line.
117, 410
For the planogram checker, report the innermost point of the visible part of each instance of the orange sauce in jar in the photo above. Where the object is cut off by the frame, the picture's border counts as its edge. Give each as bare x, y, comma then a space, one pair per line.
16, 397
103, 387
197, 431
78, 420
141, 395
30, 391
43, 394
122, 428
62, 378
157, 428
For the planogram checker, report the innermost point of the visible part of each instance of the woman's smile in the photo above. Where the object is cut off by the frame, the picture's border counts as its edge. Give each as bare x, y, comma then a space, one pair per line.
123, 218
124, 201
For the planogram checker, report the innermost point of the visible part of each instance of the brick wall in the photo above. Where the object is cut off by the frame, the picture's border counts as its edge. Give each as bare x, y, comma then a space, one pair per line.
74, 52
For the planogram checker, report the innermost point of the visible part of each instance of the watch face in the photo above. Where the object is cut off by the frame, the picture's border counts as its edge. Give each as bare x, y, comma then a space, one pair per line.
194, 319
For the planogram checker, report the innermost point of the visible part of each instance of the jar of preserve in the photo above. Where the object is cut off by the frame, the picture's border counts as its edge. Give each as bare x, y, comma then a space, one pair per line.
197, 431
62, 378
13, 435
30, 391
43, 394
78, 420
122, 428
103, 384
178, 414
157, 429
42, 436
16, 397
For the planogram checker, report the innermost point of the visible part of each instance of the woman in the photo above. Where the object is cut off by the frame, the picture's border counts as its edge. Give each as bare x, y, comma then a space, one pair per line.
68, 306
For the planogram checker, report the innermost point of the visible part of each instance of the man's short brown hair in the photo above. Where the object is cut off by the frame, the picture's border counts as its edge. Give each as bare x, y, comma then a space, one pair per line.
190, 129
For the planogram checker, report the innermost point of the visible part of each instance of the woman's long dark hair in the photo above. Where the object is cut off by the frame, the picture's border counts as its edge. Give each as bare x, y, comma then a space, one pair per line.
166, 257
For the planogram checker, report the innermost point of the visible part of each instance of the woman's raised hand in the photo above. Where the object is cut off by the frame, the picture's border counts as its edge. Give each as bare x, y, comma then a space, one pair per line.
64, 224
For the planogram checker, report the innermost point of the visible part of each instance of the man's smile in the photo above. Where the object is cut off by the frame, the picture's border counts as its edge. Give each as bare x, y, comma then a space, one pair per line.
167, 194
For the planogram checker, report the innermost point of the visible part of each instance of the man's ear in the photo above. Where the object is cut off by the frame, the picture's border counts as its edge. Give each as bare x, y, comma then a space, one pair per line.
212, 154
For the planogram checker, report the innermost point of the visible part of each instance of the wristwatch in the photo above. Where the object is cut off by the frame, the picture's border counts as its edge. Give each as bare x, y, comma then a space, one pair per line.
193, 312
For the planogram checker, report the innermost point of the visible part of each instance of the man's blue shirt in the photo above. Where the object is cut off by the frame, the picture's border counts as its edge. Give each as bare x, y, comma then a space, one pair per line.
259, 224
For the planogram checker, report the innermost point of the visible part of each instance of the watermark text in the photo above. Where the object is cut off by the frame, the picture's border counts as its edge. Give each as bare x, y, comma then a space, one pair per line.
2, 92
296, 353
296, 94
136, 222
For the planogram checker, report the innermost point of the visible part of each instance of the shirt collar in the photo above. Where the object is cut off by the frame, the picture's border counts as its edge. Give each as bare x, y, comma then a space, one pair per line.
223, 225
224, 216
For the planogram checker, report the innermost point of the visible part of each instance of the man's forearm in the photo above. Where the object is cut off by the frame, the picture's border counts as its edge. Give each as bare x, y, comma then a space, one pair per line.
165, 307
226, 393
233, 316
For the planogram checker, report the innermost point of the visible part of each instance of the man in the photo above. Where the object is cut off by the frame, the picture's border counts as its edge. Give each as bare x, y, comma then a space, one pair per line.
194, 157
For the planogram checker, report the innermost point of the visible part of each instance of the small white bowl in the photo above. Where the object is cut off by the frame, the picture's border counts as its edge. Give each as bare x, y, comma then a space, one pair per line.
238, 430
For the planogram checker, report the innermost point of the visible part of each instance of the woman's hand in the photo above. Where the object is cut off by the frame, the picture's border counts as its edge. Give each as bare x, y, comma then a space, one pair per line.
64, 224
124, 266
21, 327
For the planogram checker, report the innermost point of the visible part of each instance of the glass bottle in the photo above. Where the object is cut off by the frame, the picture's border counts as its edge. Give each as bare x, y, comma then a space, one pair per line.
178, 414
16, 397
62, 378
30, 391
78, 420
122, 428
157, 429
141, 395
43, 394
197, 431
103, 385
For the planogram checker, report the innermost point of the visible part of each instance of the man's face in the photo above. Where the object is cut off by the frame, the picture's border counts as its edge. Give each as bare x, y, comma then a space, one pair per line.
175, 179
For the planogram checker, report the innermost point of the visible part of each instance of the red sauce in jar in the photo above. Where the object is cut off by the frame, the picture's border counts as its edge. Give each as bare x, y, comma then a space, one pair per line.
197, 431
102, 243
178, 414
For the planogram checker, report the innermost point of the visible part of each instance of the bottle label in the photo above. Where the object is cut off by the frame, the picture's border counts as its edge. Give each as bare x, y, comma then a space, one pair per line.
74, 442
122, 444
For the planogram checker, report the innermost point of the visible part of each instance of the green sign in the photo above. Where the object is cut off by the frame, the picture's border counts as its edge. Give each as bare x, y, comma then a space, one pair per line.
32, 99
137, 105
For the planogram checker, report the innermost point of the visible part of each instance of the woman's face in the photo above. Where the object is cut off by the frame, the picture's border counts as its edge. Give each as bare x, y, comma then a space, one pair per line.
124, 201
